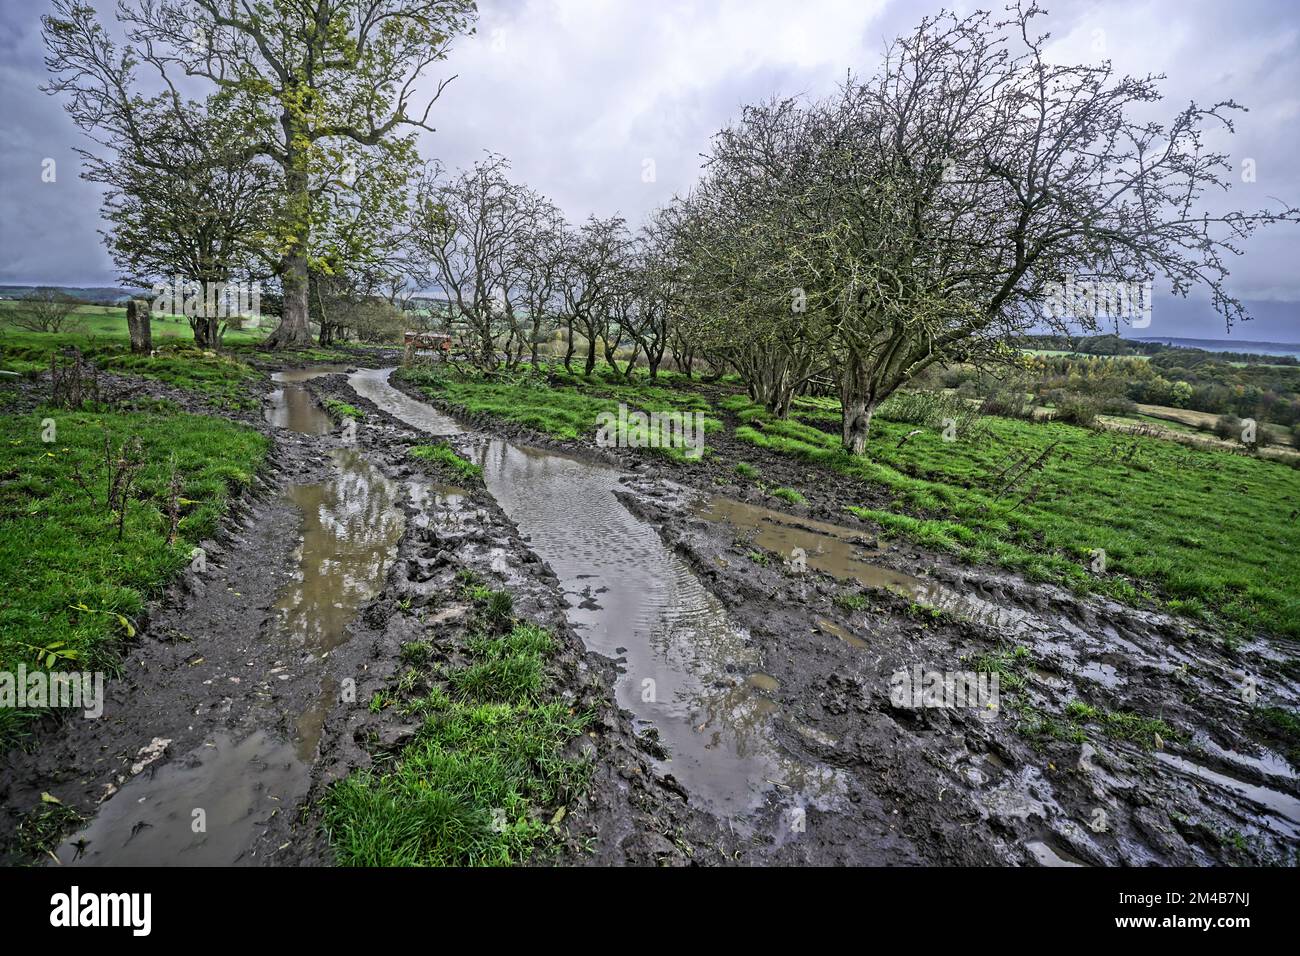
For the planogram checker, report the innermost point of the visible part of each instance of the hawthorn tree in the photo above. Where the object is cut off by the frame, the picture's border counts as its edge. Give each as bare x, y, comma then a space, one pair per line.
595, 261
924, 215
469, 227
44, 309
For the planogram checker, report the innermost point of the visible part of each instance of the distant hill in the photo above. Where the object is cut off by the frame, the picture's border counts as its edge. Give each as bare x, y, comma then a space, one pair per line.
94, 295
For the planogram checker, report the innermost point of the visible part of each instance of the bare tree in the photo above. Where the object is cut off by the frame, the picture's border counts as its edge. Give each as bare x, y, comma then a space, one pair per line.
540, 258
927, 214
469, 227
753, 304
44, 309
596, 254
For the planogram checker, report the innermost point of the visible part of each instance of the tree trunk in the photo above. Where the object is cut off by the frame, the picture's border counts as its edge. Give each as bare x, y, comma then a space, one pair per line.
855, 424
858, 400
568, 347
591, 355
293, 331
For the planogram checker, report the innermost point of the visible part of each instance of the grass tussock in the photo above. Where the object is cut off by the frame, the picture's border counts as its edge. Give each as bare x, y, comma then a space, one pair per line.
486, 779
340, 410
443, 454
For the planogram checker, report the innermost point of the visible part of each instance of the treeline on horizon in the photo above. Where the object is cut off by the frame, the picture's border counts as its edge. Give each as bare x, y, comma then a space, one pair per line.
1112, 344
1265, 388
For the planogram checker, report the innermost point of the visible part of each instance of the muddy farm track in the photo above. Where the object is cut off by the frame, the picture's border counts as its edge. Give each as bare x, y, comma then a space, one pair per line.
741, 663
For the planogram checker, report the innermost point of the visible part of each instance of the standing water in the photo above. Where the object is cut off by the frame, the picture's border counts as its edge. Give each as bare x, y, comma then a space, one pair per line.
351, 524
687, 670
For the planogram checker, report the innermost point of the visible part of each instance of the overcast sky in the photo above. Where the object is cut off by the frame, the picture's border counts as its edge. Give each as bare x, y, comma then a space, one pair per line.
582, 95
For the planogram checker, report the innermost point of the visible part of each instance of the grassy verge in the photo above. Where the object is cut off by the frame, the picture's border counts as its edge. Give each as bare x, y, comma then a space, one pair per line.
67, 577
484, 780
568, 412
218, 378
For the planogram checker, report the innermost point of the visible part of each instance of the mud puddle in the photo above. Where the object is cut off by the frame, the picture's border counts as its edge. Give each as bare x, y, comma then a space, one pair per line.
1281, 811
372, 384
686, 668
208, 806
201, 809
844, 553
292, 407
351, 526
847, 554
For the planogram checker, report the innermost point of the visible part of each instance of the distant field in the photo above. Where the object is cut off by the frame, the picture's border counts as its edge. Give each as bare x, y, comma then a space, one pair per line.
1066, 352
98, 325
1205, 421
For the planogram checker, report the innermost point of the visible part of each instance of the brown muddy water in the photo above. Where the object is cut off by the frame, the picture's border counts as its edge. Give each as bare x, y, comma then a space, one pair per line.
292, 407
688, 672
844, 553
351, 525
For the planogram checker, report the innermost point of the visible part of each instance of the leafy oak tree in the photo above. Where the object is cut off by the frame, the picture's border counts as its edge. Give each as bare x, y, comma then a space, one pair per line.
314, 79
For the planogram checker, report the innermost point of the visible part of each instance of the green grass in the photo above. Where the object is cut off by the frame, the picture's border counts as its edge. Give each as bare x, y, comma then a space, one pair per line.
790, 495
568, 412
59, 545
42, 828
94, 326
1199, 525
1282, 726
849, 601
445, 455
1146, 732
1073, 726
1009, 665
338, 409
223, 381
484, 780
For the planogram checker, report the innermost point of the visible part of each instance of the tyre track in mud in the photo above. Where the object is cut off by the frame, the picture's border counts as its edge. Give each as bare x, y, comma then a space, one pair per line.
779, 810
204, 714
629, 814
238, 697
230, 701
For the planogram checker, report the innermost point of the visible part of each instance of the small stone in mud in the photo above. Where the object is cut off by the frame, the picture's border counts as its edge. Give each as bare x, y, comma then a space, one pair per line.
149, 753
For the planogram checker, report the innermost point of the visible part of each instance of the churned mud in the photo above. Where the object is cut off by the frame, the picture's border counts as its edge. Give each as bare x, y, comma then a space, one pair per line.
1119, 735
743, 663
